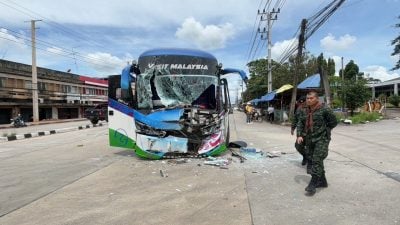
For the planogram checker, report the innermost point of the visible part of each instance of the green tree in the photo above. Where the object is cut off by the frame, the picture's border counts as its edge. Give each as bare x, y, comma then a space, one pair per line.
322, 62
281, 74
331, 67
396, 51
309, 67
356, 94
394, 100
258, 82
336, 86
351, 71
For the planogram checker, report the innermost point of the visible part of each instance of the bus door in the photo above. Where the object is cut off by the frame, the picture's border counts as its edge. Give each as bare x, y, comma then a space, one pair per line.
121, 123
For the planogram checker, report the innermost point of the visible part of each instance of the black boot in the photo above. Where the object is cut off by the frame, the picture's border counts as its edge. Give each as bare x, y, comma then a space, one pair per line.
304, 162
311, 188
309, 166
322, 182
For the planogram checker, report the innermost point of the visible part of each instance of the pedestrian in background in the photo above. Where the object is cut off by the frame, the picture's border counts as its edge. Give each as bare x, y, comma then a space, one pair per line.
301, 148
249, 112
271, 112
314, 128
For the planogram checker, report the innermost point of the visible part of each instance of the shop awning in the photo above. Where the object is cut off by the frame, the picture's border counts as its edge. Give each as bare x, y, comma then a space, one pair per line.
269, 96
255, 101
313, 81
284, 88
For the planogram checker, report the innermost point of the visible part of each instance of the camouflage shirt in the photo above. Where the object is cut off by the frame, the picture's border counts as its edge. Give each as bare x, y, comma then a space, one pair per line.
297, 115
323, 121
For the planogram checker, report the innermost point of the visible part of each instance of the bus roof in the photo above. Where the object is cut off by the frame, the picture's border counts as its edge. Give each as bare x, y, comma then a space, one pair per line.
177, 51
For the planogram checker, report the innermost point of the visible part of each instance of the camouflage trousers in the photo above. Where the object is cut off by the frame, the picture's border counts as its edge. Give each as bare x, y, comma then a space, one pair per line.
301, 148
317, 151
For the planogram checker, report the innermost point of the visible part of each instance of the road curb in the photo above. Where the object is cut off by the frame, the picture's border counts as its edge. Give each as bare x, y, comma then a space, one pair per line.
45, 133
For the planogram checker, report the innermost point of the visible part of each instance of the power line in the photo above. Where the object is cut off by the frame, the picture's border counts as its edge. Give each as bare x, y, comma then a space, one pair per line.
55, 53
313, 23
51, 23
63, 50
277, 6
254, 34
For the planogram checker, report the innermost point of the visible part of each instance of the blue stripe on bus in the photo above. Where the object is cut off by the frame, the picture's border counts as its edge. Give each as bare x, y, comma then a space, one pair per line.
120, 107
178, 51
150, 121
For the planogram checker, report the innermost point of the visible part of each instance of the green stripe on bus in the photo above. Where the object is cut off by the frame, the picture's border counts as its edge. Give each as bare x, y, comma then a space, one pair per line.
118, 139
217, 151
143, 154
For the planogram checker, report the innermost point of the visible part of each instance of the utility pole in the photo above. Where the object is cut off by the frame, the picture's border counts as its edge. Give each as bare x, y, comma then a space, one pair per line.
325, 83
35, 97
299, 60
242, 91
342, 86
270, 16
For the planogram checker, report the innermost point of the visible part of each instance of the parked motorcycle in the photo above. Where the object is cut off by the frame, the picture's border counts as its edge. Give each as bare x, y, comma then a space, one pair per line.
257, 116
18, 122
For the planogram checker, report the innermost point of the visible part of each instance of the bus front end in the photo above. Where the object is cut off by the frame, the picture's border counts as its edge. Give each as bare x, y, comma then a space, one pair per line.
175, 105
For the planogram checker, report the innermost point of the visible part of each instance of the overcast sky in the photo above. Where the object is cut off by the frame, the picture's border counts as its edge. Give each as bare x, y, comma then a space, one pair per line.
97, 38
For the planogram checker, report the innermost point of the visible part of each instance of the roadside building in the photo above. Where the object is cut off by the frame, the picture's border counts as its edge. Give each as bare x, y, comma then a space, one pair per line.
62, 95
388, 88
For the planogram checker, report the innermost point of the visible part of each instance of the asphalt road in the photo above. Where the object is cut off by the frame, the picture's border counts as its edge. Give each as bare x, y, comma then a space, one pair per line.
75, 178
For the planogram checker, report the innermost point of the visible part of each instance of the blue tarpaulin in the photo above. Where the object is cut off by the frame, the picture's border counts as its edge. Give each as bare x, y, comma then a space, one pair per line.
256, 100
269, 96
313, 81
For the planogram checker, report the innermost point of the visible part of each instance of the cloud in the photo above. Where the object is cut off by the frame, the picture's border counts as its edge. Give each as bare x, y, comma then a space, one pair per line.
105, 62
55, 50
149, 14
8, 40
329, 43
282, 46
380, 72
206, 37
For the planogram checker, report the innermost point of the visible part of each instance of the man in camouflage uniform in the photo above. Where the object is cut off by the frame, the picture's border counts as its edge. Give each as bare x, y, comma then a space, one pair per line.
301, 148
314, 128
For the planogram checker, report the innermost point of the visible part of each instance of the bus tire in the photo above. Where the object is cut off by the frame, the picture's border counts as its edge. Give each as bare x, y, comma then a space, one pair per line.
227, 138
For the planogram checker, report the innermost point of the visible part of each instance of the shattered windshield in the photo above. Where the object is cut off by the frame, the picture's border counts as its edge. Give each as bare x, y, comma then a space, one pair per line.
159, 89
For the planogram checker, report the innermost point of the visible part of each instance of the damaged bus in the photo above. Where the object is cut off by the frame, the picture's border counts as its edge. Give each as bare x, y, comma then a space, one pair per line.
171, 103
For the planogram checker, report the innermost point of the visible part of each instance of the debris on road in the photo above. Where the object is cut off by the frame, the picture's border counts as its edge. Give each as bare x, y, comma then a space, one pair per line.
216, 161
236, 154
163, 174
273, 154
253, 153
252, 150
177, 161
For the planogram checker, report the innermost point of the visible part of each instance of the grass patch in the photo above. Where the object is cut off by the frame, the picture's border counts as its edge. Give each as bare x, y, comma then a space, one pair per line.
365, 117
